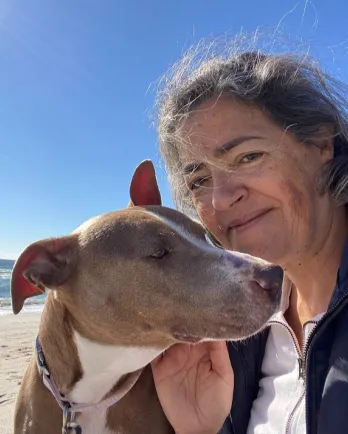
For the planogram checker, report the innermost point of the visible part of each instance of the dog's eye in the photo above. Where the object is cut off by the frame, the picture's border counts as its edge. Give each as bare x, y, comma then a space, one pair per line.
160, 254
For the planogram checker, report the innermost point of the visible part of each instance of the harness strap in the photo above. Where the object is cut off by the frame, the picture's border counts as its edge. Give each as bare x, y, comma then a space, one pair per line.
70, 408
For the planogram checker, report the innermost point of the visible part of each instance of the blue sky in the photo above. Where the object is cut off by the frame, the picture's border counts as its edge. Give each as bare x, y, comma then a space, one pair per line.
76, 88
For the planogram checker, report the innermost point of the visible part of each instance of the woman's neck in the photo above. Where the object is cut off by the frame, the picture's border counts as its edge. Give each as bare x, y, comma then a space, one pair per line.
314, 275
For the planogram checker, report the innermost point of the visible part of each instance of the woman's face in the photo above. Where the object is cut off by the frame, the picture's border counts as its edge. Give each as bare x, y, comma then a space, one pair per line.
253, 185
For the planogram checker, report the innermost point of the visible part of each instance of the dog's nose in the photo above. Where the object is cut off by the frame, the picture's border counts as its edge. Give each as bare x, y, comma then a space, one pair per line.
270, 277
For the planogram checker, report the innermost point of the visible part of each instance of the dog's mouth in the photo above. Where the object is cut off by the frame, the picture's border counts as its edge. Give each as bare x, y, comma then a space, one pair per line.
217, 332
273, 291
182, 335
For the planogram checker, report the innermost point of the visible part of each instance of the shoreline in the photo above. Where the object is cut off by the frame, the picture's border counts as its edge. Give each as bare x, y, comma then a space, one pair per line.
30, 306
17, 345
27, 310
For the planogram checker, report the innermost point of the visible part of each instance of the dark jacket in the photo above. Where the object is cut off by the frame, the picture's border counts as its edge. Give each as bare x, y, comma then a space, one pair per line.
326, 369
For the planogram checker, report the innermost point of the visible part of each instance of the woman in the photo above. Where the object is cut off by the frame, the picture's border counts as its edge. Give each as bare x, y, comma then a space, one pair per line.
257, 146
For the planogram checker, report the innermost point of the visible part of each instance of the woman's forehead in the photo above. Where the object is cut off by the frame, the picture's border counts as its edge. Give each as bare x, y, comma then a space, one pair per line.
217, 128
213, 112
214, 124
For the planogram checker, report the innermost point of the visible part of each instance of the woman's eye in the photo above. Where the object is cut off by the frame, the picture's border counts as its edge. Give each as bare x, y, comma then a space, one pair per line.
160, 254
198, 183
248, 158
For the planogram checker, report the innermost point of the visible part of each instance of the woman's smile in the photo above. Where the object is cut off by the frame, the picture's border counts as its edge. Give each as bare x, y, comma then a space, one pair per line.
248, 221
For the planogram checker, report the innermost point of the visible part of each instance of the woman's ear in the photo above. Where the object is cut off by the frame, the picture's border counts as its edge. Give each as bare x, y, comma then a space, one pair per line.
325, 143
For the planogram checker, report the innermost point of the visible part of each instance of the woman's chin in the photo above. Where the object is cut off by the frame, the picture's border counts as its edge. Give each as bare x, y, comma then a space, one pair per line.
264, 249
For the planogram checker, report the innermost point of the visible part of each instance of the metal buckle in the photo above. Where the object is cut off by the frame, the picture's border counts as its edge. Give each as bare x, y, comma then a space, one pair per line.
42, 364
69, 424
41, 358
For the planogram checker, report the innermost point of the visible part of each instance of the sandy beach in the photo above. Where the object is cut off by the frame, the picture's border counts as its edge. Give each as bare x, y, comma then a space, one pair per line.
17, 336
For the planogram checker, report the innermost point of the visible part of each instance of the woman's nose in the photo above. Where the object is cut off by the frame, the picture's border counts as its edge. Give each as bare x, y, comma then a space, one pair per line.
226, 192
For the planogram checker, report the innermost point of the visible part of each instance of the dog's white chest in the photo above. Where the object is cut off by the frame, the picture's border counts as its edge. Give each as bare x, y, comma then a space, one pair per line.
94, 422
102, 366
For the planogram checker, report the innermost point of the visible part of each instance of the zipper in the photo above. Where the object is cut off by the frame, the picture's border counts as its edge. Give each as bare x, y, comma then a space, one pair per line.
295, 342
301, 369
301, 375
302, 361
293, 411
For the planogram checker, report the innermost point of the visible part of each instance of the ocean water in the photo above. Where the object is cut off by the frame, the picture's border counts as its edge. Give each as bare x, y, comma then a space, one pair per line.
34, 304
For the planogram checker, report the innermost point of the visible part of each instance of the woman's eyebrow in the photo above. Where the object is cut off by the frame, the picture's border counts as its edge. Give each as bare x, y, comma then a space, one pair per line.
195, 167
235, 142
192, 168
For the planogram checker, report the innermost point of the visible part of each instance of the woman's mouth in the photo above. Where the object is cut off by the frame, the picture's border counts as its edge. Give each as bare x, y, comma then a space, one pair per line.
247, 221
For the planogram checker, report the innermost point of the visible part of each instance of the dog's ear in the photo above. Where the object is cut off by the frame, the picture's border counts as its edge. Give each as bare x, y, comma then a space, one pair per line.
44, 264
144, 188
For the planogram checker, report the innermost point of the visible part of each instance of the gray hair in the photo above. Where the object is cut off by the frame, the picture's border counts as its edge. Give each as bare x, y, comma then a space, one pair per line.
290, 88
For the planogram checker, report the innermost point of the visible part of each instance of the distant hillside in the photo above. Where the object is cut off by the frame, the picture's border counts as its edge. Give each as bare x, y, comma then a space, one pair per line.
6, 263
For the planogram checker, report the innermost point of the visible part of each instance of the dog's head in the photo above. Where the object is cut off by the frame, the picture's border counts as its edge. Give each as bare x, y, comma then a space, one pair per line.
146, 275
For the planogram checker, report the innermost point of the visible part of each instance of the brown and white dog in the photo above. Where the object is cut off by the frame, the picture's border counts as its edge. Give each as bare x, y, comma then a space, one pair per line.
124, 287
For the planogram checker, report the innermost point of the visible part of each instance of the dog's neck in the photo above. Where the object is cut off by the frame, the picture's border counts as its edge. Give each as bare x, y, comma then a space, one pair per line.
85, 371
104, 365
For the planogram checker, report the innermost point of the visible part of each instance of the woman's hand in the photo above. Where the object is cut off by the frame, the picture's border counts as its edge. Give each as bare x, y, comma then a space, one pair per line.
195, 386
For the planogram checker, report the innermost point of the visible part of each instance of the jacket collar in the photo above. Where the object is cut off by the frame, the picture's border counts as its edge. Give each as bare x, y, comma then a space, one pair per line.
342, 277
343, 270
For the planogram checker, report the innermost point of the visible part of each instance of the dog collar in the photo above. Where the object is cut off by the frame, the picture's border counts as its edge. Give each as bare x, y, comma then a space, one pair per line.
69, 408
